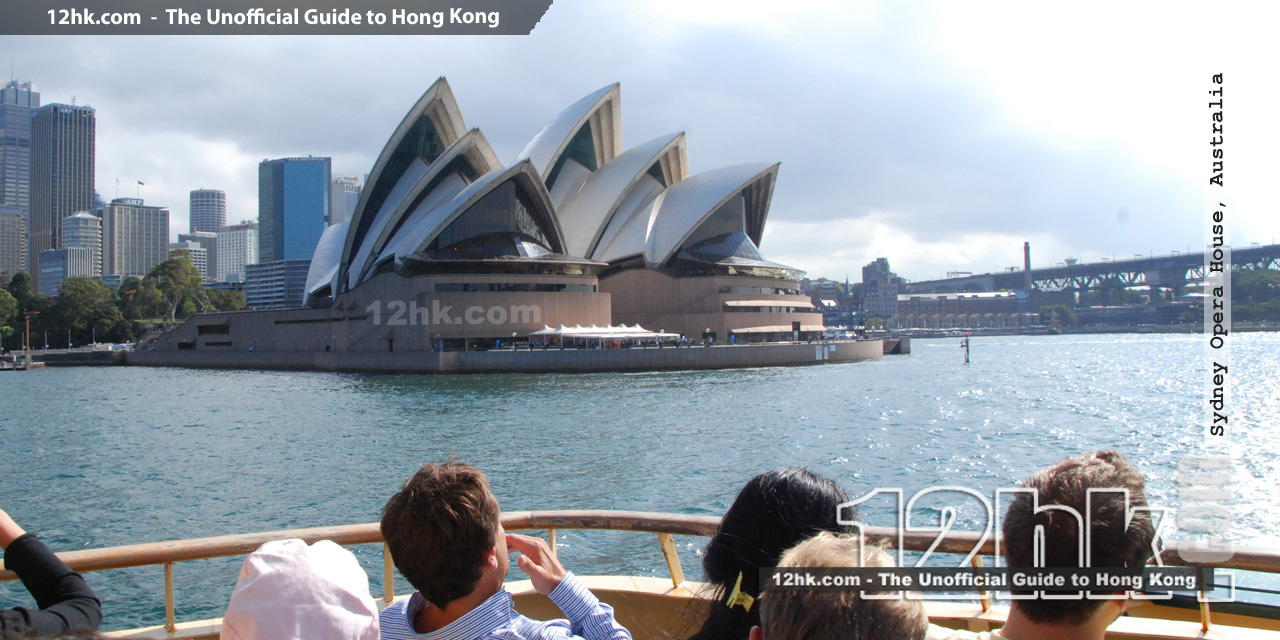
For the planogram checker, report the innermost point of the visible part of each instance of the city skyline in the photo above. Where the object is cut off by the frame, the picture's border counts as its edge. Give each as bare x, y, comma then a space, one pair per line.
941, 139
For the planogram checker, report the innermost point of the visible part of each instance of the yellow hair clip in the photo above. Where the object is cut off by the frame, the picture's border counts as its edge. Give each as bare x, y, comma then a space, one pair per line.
737, 596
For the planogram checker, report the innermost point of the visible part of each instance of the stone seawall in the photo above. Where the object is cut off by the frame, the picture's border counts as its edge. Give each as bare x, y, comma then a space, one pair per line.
536, 361
79, 358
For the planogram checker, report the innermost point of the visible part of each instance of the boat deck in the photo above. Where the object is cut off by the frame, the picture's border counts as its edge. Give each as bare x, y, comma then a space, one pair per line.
664, 608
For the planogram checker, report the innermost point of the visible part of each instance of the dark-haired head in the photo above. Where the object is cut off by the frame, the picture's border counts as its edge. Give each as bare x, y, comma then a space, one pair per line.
775, 511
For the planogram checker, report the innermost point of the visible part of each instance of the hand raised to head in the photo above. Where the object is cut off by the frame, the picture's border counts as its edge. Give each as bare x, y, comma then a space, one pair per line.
536, 560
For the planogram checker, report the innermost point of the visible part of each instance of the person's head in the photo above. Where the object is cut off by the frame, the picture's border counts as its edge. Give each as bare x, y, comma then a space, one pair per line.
288, 589
773, 512
443, 529
838, 615
1116, 540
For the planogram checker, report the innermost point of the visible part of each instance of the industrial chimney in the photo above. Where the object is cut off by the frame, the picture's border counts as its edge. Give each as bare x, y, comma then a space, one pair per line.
1026, 266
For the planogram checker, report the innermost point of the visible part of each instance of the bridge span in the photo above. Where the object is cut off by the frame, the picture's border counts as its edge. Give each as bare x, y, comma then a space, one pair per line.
1154, 272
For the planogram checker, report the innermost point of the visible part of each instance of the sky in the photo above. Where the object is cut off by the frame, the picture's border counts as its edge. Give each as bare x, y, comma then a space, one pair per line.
938, 135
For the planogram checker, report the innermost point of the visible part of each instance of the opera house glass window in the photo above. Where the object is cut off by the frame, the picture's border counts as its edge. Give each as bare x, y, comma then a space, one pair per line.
505, 222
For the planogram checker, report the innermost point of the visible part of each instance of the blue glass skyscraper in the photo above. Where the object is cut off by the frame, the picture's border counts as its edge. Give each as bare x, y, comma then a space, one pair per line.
293, 202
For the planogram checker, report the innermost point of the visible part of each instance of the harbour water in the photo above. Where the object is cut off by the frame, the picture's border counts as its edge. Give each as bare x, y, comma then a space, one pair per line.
97, 457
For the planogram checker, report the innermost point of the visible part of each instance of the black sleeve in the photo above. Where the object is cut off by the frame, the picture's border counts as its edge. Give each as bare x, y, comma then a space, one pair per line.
65, 601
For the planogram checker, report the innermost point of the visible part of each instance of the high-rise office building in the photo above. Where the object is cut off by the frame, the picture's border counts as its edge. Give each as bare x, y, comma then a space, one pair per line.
208, 210
13, 241
84, 231
237, 248
135, 237
198, 254
62, 164
276, 285
17, 102
293, 203
344, 194
880, 288
208, 243
57, 265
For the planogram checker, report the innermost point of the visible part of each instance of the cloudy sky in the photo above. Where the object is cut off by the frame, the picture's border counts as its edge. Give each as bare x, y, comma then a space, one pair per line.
938, 135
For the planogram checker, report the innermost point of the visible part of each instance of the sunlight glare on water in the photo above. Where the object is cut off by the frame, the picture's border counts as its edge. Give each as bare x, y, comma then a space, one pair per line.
99, 457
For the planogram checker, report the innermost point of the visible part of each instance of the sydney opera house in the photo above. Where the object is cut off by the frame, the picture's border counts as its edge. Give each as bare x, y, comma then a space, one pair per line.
451, 249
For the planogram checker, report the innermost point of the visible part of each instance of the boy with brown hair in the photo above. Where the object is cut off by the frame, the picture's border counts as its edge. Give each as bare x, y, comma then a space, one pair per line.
445, 535
1121, 533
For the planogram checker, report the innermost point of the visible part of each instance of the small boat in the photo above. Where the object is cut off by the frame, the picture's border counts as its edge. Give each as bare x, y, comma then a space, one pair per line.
663, 608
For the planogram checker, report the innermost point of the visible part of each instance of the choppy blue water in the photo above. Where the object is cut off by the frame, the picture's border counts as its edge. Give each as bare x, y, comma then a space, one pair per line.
98, 457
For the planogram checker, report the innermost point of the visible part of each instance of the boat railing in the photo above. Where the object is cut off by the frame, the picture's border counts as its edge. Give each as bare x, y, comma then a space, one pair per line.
665, 525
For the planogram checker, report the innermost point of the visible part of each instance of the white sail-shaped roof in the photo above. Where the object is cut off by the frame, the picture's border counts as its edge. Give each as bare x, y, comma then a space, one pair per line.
692, 200
414, 203
438, 193
435, 220
433, 124
617, 189
600, 111
658, 230
323, 273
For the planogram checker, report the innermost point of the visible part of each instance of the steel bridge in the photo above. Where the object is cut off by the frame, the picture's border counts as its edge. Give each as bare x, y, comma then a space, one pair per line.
1153, 272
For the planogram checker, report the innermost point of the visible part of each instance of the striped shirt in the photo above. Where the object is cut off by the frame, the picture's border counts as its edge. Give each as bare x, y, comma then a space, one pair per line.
497, 619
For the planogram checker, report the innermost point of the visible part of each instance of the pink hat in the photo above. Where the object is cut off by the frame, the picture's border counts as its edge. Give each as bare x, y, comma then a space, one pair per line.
289, 590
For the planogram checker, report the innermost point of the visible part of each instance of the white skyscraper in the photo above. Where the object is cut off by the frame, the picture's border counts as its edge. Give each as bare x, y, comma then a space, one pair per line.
237, 248
84, 231
344, 193
208, 242
199, 255
208, 210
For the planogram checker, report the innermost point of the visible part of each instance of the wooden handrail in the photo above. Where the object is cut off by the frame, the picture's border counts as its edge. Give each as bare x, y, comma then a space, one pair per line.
158, 553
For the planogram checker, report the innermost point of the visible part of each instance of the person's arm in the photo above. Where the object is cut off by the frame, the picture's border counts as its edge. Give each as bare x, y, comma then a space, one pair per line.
65, 601
9, 530
588, 617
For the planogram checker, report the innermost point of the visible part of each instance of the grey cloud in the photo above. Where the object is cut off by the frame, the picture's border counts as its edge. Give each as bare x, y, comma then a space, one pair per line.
882, 128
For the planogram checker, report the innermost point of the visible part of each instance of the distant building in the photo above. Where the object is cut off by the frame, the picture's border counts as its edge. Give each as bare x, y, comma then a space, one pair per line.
199, 255
114, 281
208, 210
880, 288
293, 204
237, 248
135, 237
13, 240
84, 231
344, 194
57, 265
962, 310
17, 102
276, 285
208, 243
62, 173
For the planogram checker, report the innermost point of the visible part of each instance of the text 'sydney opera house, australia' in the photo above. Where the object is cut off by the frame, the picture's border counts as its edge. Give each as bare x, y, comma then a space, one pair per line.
452, 254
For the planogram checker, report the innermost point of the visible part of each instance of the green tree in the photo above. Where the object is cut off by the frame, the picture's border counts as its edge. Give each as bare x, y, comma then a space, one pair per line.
20, 287
48, 320
1066, 315
87, 308
177, 279
8, 307
1255, 295
1251, 287
140, 299
224, 300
